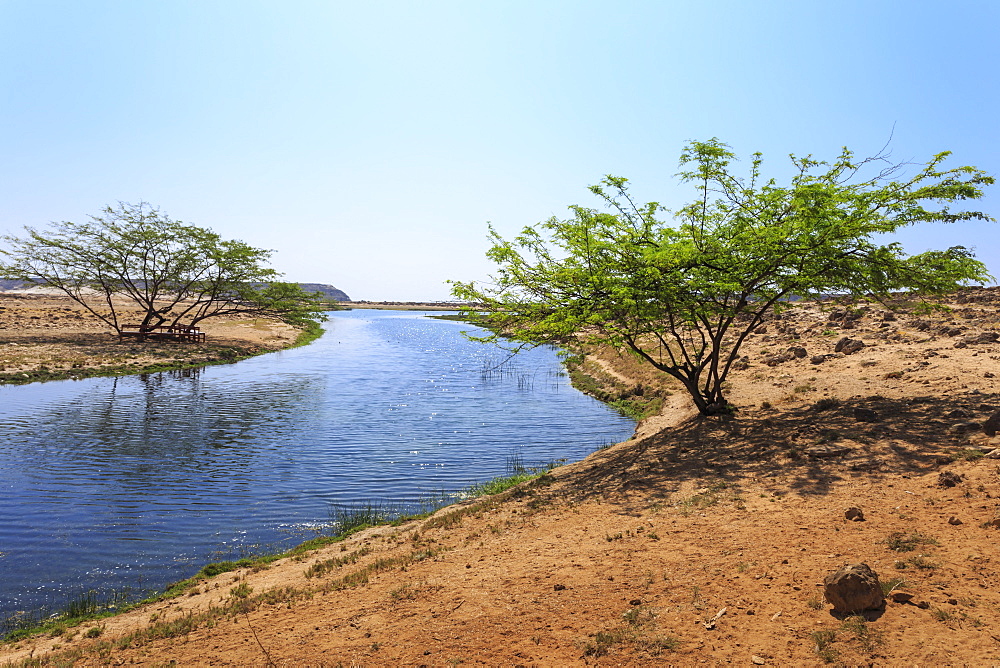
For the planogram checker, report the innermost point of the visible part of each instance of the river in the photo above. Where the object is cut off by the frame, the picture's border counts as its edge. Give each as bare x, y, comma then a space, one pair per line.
127, 484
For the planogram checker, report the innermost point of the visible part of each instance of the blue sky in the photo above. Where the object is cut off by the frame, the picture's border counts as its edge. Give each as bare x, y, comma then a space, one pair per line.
368, 143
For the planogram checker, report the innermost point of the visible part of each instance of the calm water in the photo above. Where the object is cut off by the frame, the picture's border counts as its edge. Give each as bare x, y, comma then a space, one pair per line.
135, 482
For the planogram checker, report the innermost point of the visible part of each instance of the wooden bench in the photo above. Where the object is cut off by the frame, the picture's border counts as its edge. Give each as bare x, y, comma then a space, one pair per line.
167, 332
187, 333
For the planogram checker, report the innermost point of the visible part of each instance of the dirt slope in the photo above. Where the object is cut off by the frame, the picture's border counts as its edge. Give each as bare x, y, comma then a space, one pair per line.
627, 557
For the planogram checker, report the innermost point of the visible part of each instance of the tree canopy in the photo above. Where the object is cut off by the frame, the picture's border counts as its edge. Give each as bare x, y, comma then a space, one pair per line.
683, 294
174, 273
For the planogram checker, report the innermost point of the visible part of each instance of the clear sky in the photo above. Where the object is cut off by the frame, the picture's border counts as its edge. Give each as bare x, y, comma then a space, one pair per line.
368, 143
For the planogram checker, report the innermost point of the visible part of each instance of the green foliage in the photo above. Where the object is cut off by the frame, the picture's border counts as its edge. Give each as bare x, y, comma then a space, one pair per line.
218, 567
176, 274
500, 484
868, 639
892, 584
321, 568
638, 407
361, 515
966, 454
683, 295
900, 541
242, 590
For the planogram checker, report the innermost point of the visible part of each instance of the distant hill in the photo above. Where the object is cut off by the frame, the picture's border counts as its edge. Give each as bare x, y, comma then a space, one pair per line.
328, 290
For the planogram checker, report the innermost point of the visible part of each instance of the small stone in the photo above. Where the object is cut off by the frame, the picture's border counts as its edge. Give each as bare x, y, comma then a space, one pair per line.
775, 360
954, 521
817, 359
901, 597
635, 602
854, 514
848, 346
559, 587
757, 660
923, 605
854, 588
992, 425
981, 338
952, 601
865, 415
798, 351
822, 451
948, 479
965, 427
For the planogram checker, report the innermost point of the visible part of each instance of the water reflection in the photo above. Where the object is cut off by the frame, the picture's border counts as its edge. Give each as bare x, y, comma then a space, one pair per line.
137, 480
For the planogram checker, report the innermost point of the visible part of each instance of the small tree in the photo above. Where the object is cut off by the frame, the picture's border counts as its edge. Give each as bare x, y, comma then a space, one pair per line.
174, 273
684, 296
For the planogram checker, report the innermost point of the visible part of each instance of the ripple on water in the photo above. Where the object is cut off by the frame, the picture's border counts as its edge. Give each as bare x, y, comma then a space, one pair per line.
137, 481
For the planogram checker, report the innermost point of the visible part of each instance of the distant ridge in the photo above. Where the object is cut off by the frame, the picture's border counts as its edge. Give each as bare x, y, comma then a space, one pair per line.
328, 290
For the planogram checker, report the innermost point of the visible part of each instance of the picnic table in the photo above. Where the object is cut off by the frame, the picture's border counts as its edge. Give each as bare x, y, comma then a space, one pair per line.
162, 332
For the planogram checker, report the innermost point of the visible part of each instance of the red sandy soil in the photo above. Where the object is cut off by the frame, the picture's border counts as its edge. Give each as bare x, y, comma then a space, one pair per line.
626, 558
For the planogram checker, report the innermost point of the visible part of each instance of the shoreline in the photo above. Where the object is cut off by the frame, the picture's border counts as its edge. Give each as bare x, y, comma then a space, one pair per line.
48, 337
645, 552
225, 355
353, 522
121, 604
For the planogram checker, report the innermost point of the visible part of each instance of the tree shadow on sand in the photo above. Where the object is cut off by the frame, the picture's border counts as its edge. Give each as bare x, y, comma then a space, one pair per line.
806, 449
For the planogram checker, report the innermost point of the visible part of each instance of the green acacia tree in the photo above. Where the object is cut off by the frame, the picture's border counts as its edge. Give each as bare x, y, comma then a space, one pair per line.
684, 295
174, 273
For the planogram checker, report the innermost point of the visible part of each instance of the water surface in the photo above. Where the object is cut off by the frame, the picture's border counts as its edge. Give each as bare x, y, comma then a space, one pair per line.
134, 482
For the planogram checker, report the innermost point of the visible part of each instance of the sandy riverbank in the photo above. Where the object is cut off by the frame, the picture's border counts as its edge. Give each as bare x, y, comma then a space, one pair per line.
626, 557
44, 337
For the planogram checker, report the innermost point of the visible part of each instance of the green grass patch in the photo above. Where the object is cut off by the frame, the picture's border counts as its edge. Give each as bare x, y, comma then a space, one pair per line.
854, 630
638, 407
638, 629
823, 644
321, 568
966, 455
891, 585
706, 498
900, 541
499, 484
310, 332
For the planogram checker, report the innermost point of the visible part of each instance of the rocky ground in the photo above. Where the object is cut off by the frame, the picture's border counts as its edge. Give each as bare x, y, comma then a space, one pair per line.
698, 541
